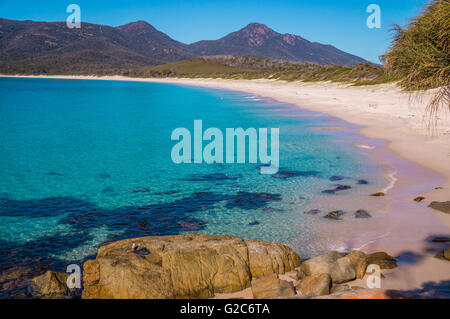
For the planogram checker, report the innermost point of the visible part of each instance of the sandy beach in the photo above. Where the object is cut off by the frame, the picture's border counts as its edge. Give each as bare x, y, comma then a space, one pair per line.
418, 156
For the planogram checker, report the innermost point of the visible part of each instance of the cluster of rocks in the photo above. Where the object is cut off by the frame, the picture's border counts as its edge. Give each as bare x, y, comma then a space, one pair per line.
337, 188
326, 274
22, 283
52, 284
338, 214
200, 266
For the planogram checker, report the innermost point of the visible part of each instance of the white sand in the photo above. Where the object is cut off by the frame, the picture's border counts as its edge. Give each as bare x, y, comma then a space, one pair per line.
387, 113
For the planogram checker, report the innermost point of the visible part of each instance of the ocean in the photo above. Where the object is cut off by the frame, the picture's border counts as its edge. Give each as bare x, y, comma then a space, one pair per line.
83, 162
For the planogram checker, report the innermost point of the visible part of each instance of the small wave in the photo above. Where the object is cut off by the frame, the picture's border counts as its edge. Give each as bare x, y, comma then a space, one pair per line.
363, 146
253, 98
342, 249
392, 179
374, 240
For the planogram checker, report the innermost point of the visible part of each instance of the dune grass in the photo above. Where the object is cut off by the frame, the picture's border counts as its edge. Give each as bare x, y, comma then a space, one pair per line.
420, 54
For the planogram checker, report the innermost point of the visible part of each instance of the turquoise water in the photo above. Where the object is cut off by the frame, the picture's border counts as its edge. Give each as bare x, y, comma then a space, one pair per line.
84, 161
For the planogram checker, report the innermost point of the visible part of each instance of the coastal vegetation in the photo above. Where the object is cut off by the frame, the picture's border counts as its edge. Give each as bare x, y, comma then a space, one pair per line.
242, 67
420, 54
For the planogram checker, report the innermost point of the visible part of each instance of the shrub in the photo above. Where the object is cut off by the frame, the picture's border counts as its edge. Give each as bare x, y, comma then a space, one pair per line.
420, 54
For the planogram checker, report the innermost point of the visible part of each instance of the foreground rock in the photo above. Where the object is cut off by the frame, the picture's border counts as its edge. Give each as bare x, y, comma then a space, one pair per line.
381, 259
340, 288
428, 292
15, 283
441, 206
51, 285
183, 266
270, 258
370, 294
314, 285
343, 268
445, 254
337, 265
271, 287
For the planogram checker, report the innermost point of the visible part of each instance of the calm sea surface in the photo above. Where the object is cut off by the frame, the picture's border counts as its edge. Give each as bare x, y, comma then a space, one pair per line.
83, 162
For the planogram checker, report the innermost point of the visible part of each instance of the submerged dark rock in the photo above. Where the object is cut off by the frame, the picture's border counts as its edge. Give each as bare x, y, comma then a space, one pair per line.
336, 178
247, 200
313, 212
108, 190
284, 174
254, 223
210, 177
104, 175
38, 208
139, 190
338, 188
362, 182
166, 193
53, 174
142, 224
16, 282
190, 225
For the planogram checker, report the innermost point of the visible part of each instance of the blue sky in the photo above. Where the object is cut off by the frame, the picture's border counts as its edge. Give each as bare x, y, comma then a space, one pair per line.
341, 23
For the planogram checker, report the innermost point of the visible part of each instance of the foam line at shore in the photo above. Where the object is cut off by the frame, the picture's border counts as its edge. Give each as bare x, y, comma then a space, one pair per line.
366, 147
392, 180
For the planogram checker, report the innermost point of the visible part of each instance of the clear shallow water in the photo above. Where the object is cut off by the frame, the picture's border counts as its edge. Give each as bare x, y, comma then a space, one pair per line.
83, 162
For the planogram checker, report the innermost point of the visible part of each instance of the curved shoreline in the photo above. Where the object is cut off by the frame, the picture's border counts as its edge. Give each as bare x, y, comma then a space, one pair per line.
384, 113
394, 107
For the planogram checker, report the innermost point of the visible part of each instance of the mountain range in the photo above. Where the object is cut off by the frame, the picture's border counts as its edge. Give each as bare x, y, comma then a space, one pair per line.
51, 47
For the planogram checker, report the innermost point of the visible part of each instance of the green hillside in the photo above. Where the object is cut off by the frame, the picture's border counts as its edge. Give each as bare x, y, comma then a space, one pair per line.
233, 67
188, 68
